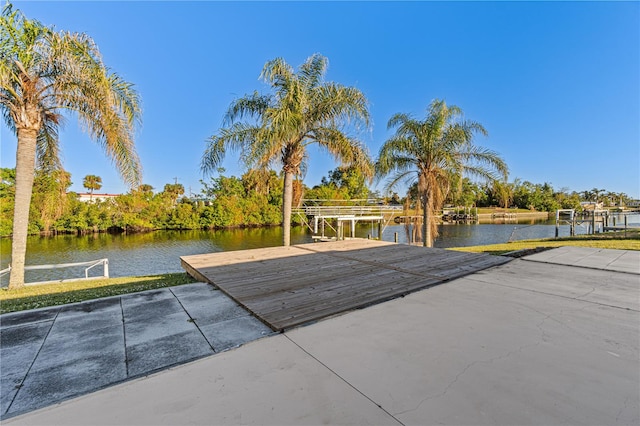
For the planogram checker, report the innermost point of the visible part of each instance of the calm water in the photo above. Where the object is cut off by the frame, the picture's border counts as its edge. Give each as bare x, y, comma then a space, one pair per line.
159, 252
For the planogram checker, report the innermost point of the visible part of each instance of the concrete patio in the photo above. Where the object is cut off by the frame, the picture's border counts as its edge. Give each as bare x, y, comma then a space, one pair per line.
49, 355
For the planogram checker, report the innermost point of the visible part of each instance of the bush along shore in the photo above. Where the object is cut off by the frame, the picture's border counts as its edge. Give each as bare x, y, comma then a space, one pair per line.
252, 200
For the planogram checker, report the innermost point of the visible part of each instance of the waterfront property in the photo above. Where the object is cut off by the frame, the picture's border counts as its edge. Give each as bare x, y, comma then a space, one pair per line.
289, 286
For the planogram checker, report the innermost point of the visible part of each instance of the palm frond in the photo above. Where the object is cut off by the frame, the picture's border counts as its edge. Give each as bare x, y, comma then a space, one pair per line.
407, 177
253, 105
238, 137
312, 71
277, 73
47, 147
336, 103
347, 150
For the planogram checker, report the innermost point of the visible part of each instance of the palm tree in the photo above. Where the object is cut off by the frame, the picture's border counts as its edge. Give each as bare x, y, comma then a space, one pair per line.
42, 73
435, 152
503, 192
92, 182
302, 110
595, 194
174, 191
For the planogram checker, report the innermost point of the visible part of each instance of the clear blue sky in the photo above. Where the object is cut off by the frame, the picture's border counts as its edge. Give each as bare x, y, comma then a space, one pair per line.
555, 84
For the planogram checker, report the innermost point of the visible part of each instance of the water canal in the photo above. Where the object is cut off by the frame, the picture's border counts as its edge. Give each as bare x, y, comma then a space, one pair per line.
158, 252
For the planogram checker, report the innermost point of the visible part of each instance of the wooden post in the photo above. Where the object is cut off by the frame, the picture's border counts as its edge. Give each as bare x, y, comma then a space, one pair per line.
380, 230
395, 237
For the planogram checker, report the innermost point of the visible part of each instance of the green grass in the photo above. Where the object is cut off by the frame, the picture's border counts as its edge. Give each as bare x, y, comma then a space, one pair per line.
39, 296
615, 240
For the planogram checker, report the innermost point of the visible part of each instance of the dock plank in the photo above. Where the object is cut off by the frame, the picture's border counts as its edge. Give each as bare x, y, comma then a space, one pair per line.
289, 286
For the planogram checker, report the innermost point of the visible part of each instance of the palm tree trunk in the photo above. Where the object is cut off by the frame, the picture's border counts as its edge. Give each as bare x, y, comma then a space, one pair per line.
427, 217
287, 200
426, 226
25, 166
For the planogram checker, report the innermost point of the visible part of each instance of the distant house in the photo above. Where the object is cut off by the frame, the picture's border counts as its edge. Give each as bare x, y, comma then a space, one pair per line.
87, 197
591, 205
633, 203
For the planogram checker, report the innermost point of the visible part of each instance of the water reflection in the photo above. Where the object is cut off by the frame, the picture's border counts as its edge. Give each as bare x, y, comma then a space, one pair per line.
137, 254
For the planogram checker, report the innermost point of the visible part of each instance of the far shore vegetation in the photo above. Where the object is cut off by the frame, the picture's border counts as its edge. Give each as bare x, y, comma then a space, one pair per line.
253, 199
44, 295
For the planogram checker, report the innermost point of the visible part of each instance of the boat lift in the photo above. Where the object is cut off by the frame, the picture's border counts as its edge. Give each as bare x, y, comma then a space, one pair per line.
320, 218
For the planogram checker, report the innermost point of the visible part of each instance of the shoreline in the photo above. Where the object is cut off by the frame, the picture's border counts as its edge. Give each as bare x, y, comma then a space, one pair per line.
515, 215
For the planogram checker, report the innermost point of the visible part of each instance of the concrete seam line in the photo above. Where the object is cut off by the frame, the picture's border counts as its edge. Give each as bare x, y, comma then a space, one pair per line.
192, 320
344, 380
33, 362
614, 260
581, 266
556, 295
124, 339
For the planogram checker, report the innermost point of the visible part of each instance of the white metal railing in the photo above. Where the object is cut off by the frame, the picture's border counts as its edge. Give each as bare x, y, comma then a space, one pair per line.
90, 264
348, 210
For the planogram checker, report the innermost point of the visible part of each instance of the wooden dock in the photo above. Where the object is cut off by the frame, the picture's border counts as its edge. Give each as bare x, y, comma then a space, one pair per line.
289, 286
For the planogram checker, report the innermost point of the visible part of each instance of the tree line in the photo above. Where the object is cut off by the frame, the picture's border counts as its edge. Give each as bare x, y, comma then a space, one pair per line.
251, 200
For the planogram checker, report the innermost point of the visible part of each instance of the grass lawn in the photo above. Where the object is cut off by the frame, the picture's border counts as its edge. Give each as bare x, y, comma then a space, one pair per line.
615, 240
39, 296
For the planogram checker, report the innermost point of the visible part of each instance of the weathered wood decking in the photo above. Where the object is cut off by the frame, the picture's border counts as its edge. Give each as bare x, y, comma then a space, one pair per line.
289, 286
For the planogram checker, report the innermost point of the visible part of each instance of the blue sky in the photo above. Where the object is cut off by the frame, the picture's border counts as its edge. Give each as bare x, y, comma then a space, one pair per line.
556, 84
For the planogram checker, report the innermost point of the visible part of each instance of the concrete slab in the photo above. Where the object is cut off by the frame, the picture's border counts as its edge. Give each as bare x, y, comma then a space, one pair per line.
270, 381
68, 379
522, 343
477, 352
611, 260
166, 351
61, 347
597, 286
50, 355
28, 317
234, 332
19, 346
